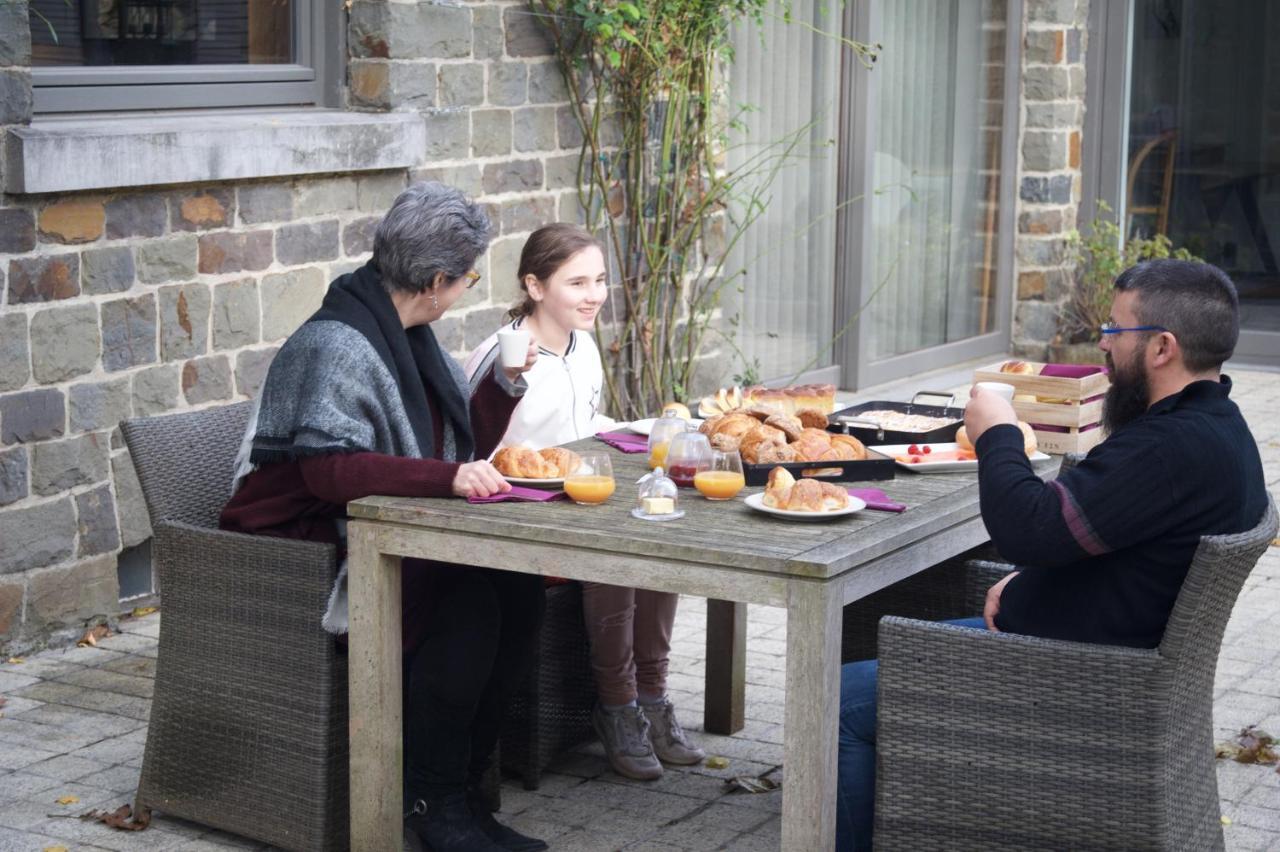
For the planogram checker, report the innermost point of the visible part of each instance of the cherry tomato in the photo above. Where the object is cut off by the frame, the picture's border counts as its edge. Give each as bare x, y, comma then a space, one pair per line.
916, 459
926, 449
913, 450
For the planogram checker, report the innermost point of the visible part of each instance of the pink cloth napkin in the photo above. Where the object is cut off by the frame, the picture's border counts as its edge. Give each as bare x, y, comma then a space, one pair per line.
519, 495
876, 499
1071, 371
627, 442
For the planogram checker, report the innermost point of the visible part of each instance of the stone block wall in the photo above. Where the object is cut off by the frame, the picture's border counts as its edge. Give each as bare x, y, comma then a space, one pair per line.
140, 301
1049, 178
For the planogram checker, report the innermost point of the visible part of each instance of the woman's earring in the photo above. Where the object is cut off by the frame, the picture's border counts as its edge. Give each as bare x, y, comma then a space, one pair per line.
435, 303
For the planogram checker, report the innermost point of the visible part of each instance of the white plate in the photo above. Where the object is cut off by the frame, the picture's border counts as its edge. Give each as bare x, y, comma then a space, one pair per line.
646, 425
892, 450
535, 483
756, 501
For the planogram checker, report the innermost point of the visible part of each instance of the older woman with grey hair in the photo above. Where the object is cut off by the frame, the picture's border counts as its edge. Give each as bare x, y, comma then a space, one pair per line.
362, 400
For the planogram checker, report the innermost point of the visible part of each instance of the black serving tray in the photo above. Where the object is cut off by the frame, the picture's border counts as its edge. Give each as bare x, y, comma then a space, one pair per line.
873, 467
845, 420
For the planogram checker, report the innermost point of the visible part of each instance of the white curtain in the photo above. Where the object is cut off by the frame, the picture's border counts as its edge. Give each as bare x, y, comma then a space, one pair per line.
788, 77
931, 227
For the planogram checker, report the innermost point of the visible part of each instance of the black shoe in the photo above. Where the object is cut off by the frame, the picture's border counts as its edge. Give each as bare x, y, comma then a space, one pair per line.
508, 838
445, 824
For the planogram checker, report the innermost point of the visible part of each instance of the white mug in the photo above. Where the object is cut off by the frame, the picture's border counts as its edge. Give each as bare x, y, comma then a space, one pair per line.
513, 346
1003, 389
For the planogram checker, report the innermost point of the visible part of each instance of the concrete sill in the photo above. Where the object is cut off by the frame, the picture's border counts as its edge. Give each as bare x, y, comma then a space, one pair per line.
124, 150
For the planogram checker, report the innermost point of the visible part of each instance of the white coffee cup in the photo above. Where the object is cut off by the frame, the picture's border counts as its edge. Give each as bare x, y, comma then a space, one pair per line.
1003, 389
513, 347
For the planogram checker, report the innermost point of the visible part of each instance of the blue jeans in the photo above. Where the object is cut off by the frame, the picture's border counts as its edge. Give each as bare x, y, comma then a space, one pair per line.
856, 784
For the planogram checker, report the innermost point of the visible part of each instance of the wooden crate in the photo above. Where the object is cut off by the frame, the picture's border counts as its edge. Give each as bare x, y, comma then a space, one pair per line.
1077, 410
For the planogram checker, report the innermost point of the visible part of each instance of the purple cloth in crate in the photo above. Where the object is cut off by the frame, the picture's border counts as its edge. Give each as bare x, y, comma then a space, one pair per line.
519, 494
1071, 371
876, 499
627, 442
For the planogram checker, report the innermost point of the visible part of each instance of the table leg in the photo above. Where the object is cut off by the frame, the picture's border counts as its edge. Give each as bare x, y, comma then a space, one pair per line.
374, 687
812, 710
725, 700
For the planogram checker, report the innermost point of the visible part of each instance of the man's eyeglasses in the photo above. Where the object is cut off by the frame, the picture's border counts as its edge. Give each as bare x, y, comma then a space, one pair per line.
1112, 328
473, 278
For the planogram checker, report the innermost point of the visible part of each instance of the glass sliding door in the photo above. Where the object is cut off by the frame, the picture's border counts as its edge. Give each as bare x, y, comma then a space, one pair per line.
1203, 145
924, 245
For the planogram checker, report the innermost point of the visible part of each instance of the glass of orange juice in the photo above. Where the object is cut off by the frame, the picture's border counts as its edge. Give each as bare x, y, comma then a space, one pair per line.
723, 478
592, 482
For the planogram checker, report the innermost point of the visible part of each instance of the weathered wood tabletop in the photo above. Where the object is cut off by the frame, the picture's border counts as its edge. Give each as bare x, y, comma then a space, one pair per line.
724, 551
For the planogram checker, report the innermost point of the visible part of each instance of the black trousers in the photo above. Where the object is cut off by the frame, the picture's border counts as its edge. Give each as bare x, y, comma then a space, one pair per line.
480, 631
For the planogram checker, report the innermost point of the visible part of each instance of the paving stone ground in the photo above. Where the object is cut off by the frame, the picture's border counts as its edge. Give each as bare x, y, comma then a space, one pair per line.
75, 725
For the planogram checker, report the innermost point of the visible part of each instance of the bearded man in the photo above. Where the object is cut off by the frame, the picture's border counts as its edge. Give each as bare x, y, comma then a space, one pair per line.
1102, 550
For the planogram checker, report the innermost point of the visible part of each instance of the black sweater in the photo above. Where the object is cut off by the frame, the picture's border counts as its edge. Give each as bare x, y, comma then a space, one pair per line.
1103, 550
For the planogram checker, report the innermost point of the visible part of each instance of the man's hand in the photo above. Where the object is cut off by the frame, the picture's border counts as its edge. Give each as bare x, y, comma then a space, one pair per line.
479, 479
986, 409
992, 606
530, 359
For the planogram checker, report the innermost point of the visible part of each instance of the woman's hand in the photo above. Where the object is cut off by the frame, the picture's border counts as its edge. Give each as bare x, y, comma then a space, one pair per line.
479, 479
530, 358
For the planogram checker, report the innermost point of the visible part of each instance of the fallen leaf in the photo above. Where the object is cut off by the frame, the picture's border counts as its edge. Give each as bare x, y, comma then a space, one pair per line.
752, 784
15, 661
717, 762
1251, 745
54, 849
3, 701
67, 800
1226, 820
139, 611
92, 635
122, 818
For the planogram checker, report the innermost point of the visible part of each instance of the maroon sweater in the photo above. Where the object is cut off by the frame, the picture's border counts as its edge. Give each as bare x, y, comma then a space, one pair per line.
303, 499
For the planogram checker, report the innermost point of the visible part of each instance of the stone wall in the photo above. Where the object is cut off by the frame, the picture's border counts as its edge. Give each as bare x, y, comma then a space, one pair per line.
135, 302
1049, 179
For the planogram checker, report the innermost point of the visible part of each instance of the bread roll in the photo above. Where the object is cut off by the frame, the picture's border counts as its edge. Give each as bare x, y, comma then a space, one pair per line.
774, 453
1029, 442
680, 408
962, 439
1018, 367
812, 417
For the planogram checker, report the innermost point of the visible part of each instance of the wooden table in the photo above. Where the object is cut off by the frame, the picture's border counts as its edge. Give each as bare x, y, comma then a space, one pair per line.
721, 551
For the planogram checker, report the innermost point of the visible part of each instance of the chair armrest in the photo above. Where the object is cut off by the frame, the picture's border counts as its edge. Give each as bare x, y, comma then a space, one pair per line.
1011, 733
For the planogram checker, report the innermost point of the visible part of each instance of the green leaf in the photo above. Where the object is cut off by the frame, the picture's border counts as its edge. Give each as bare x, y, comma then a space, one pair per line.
630, 10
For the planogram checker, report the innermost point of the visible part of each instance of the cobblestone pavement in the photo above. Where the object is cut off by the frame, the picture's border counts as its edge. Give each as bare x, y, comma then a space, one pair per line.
75, 723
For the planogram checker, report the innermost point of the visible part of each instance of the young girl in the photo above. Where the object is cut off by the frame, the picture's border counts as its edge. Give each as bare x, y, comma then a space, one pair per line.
562, 273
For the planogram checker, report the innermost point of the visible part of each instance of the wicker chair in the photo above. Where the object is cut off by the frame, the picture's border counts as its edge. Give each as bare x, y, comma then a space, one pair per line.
248, 727
552, 711
997, 741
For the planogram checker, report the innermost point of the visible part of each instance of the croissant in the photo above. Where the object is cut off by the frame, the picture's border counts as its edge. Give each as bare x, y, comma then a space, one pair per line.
735, 425
778, 488
857, 447
756, 439
709, 425
809, 448
564, 461
524, 463
725, 442
833, 497
805, 495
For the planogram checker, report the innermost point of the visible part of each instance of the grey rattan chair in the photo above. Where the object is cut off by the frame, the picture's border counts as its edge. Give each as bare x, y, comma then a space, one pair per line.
1002, 742
248, 728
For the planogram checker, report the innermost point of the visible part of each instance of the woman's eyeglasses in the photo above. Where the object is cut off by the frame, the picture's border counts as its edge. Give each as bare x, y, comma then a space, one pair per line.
473, 278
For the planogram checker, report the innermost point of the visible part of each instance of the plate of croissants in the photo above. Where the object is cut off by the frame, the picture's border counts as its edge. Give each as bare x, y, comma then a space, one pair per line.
763, 435
523, 466
803, 499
